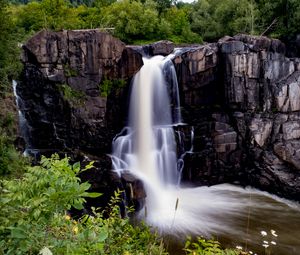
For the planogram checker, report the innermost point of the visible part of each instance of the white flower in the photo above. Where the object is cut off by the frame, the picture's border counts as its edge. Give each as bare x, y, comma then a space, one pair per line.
265, 245
266, 242
239, 247
263, 233
250, 252
274, 243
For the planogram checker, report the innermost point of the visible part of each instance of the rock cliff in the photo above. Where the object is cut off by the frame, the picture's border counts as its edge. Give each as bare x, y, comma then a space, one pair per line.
241, 95
74, 89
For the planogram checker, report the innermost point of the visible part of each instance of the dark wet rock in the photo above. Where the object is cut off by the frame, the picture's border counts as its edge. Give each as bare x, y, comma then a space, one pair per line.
73, 85
163, 48
242, 97
134, 189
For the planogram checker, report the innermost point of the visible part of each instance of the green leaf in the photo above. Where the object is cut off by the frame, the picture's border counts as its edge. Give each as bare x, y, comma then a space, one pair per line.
85, 186
90, 165
5, 200
92, 194
18, 233
76, 167
78, 205
102, 235
36, 213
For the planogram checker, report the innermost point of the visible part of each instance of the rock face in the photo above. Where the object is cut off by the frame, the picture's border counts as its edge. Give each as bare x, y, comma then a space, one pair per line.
239, 96
242, 96
74, 89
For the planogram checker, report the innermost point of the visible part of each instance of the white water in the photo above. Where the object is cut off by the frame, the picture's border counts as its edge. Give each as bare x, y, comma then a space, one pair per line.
22, 119
147, 148
23, 125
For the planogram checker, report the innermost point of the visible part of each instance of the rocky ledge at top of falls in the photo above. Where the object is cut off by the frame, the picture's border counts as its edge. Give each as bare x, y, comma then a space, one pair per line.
241, 95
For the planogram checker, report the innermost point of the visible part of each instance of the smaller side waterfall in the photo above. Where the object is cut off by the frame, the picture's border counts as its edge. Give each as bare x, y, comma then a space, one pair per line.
23, 124
172, 83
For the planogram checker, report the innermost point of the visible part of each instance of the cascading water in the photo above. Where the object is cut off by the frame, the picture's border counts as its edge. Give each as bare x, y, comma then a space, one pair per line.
23, 125
147, 148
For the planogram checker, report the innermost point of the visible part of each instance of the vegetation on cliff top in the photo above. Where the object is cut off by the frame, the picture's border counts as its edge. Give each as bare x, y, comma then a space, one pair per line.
153, 20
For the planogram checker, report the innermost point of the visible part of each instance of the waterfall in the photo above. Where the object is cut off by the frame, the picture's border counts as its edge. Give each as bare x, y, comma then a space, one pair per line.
23, 124
147, 148
149, 142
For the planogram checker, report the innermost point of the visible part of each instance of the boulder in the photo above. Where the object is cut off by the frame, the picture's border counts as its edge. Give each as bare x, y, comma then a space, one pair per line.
163, 48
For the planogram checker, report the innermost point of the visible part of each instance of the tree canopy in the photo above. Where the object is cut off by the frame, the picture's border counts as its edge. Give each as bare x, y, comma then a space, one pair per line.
150, 20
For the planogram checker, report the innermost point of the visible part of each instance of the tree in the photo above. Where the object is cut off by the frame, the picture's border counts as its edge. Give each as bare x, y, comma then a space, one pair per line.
9, 64
213, 18
132, 20
284, 15
203, 21
180, 26
163, 5
4, 30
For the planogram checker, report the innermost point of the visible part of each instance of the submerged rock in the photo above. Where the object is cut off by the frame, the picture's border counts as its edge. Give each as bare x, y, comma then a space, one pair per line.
134, 189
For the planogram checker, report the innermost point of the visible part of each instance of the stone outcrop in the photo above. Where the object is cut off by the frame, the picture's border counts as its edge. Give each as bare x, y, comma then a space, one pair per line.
242, 96
74, 89
239, 96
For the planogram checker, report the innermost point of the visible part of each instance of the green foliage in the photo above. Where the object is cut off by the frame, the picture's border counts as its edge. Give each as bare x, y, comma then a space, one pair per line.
103, 3
151, 20
50, 14
208, 247
123, 236
73, 96
70, 72
132, 19
163, 5
283, 14
107, 86
213, 19
11, 162
10, 65
180, 26
34, 217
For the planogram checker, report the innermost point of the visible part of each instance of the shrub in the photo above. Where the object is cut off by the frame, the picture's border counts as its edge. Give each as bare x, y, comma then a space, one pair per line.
74, 97
11, 162
107, 86
34, 219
